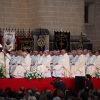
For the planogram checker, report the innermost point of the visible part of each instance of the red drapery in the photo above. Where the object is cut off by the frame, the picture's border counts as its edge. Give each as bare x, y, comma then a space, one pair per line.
18, 43
15, 84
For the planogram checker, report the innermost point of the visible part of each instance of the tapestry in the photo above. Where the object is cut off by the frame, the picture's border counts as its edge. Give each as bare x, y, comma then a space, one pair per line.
62, 40
26, 43
9, 40
41, 41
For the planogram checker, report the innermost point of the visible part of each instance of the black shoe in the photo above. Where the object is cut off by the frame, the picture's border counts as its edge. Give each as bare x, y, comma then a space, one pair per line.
53, 77
11, 77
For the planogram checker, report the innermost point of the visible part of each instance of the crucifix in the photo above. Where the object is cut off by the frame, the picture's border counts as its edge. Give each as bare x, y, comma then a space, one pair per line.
61, 44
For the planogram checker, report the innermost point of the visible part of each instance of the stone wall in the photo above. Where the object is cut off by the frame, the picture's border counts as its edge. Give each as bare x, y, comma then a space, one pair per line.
51, 13
48, 13
15, 14
93, 27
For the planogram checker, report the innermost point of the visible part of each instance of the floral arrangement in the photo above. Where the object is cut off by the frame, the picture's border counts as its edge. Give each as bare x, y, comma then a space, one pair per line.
2, 71
98, 74
34, 74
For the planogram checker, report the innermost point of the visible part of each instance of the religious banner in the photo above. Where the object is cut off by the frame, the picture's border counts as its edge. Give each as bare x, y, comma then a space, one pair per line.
62, 40
9, 40
41, 42
26, 43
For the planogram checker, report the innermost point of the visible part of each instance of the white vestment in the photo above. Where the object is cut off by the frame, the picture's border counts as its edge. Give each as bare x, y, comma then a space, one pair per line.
17, 61
78, 69
73, 60
92, 69
7, 61
63, 67
12, 58
13, 63
39, 62
86, 57
21, 69
34, 60
45, 66
55, 61
70, 57
53, 58
40, 59
90, 61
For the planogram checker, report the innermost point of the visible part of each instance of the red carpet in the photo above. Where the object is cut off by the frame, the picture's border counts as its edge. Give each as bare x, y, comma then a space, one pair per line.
15, 84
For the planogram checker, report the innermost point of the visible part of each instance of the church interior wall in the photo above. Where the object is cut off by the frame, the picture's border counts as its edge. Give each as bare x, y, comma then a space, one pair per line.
48, 13
93, 27
54, 15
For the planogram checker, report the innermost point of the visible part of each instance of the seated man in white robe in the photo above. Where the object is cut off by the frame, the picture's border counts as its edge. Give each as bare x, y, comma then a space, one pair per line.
28, 52
52, 54
39, 61
95, 67
78, 68
91, 59
25, 66
31, 53
70, 55
63, 67
45, 66
12, 54
55, 60
34, 59
86, 54
74, 58
13, 62
17, 61
6, 63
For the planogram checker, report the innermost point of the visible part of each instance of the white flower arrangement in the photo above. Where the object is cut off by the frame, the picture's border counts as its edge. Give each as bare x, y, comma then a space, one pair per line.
98, 74
34, 74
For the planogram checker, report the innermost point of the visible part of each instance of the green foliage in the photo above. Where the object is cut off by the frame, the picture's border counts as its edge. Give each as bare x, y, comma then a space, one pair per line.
98, 74
2, 71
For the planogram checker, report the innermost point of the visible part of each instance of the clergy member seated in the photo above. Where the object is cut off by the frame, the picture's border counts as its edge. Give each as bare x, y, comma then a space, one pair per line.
39, 60
34, 59
23, 67
55, 60
62, 69
12, 54
86, 54
78, 68
44, 67
95, 67
74, 58
91, 59
13, 62
17, 61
